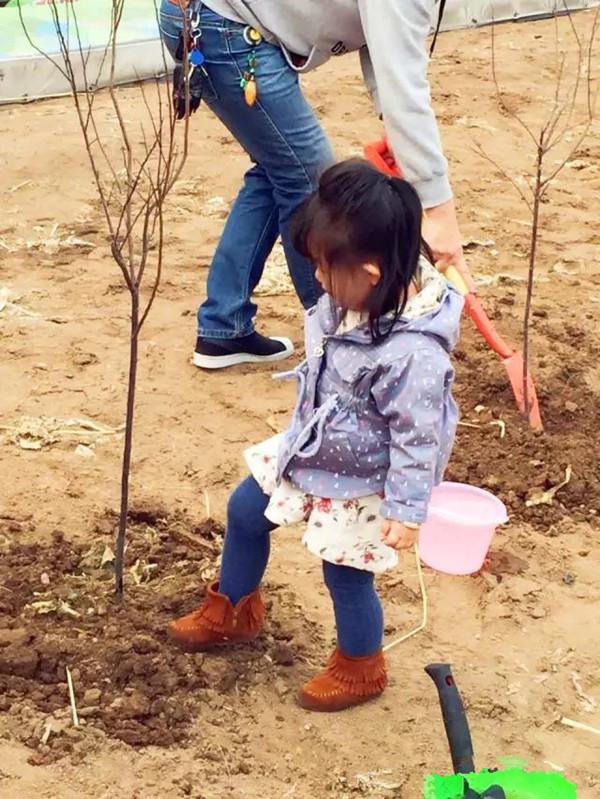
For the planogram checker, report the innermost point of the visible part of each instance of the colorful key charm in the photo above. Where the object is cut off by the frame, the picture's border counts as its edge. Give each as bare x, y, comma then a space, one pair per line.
196, 57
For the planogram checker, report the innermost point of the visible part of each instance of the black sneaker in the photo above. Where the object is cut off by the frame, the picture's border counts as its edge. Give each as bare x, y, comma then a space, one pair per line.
212, 353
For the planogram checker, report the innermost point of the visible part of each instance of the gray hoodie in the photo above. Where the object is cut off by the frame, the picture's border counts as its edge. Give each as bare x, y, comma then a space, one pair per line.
372, 417
390, 35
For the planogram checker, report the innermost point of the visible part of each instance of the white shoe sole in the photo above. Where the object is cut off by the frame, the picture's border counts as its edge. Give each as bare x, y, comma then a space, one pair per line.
237, 358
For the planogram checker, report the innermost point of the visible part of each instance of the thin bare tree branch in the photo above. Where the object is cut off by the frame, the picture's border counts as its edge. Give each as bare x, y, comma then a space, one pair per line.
480, 151
564, 161
500, 96
39, 51
133, 204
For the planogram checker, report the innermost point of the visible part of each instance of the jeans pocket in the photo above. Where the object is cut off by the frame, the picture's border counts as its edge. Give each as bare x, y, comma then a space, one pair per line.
239, 49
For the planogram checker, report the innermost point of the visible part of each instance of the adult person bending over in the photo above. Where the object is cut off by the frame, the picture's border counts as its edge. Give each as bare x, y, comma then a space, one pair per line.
270, 42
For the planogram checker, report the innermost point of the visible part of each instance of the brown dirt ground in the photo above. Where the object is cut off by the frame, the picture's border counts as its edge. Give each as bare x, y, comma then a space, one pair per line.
520, 634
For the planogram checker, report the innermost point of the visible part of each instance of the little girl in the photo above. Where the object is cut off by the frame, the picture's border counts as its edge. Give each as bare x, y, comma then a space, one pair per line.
370, 436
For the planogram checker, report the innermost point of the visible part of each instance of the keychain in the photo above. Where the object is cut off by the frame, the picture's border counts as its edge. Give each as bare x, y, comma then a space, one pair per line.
187, 87
196, 56
253, 38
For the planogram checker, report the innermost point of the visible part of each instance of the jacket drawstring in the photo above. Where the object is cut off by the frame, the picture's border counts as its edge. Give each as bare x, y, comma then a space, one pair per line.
318, 420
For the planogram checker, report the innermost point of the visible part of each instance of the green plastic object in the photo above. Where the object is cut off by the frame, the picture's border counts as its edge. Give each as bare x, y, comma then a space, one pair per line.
517, 784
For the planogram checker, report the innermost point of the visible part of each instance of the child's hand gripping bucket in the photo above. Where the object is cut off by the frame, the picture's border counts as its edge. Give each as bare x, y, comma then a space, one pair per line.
460, 527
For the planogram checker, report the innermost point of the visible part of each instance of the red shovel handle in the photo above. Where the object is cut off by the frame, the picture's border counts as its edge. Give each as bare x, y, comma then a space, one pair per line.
485, 327
478, 315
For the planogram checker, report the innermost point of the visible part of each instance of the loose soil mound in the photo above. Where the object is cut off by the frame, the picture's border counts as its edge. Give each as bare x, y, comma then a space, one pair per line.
522, 464
58, 604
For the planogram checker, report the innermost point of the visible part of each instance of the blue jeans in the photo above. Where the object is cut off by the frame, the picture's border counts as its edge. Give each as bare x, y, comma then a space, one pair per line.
358, 612
289, 149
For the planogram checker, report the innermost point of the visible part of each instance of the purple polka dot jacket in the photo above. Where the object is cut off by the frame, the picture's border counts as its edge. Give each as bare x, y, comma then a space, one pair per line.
374, 418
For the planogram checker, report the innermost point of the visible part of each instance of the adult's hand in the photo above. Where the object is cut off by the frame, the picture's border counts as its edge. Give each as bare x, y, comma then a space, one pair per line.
442, 234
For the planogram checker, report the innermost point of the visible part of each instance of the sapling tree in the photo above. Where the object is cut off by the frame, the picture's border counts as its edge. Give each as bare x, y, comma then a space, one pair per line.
133, 172
554, 142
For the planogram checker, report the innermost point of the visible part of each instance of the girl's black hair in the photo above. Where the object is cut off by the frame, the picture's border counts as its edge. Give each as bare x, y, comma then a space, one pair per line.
360, 216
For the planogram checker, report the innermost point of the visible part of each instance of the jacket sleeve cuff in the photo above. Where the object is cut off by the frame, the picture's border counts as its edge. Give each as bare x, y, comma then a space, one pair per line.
435, 191
400, 512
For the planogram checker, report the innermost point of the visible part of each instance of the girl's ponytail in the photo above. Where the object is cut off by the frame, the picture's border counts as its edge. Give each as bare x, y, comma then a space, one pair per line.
413, 210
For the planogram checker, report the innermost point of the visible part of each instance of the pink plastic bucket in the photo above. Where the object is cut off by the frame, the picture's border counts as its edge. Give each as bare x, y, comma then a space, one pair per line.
460, 527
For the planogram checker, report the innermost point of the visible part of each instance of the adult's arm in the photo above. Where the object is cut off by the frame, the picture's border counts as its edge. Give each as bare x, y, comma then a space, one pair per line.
395, 63
395, 33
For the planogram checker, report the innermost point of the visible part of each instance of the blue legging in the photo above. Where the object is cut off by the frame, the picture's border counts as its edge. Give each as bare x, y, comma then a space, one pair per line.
358, 612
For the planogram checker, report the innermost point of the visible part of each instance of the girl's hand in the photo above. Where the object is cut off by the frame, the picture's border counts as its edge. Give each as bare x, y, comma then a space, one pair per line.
397, 536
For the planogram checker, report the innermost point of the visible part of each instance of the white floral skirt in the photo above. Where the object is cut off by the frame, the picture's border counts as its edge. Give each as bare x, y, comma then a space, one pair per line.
342, 531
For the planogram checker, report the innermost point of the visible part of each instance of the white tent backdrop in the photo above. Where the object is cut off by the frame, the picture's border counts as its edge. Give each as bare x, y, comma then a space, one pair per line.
471, 13
27, 75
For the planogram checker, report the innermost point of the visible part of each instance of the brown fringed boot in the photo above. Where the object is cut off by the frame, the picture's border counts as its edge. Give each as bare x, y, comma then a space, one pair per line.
346, 682
218, 622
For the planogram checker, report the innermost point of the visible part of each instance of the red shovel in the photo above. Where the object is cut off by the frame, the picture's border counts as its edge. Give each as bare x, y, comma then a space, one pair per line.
380, 156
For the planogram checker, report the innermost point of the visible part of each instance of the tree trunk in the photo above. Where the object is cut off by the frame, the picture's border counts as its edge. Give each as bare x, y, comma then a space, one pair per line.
131, 386
537, 199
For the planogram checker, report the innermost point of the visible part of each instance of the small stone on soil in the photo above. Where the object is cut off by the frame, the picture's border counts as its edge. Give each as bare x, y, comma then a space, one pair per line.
92, 696
144, 644
16, 637
136, 704
19, 661
283, 655
88, 712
